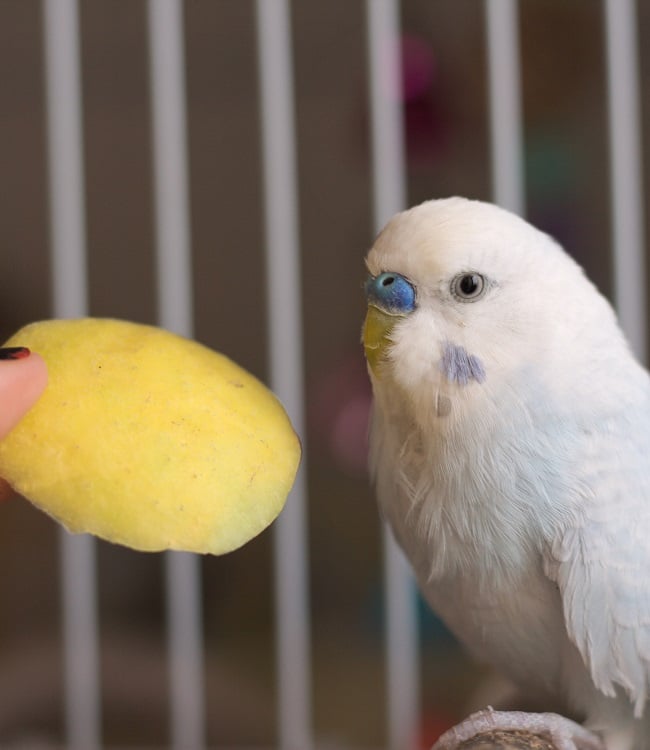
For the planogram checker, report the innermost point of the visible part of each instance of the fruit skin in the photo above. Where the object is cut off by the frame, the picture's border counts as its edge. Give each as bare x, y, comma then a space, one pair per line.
149, 440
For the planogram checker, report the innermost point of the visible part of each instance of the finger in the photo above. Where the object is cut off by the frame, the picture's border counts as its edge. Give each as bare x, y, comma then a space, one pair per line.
23, 377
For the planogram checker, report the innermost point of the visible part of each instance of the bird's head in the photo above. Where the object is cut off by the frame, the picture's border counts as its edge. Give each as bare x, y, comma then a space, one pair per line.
464, 296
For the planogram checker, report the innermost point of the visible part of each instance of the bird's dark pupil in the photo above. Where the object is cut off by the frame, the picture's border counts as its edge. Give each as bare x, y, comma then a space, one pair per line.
388, 280
468, 284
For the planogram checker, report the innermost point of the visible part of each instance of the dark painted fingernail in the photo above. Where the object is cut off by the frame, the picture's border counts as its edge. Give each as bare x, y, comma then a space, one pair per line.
14, 352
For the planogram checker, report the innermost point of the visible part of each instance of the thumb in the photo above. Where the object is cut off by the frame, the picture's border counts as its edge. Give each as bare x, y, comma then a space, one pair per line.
23, 377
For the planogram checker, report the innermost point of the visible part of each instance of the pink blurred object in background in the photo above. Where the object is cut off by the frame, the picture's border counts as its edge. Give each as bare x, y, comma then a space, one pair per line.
340, 412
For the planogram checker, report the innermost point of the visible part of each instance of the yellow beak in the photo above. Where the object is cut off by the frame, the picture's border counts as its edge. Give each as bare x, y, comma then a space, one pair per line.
376, 334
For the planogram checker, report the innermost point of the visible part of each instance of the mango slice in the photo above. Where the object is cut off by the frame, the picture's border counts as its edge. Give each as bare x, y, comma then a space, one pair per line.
149, 440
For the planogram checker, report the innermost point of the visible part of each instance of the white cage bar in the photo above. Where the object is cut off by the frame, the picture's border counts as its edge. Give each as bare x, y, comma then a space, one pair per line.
389, 197
285, 335
175, 312
504, 108
69, 300
626, 186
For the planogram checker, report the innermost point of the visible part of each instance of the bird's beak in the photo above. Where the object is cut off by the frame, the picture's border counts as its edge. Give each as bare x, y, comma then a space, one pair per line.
376, 334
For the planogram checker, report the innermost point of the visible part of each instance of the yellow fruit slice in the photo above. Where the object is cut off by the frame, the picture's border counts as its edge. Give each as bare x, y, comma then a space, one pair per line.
149, 440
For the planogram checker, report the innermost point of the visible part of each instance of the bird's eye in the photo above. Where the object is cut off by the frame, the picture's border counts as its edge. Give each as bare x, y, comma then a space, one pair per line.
468, 287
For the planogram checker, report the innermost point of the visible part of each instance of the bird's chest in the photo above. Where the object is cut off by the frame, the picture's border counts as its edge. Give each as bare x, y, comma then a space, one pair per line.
473, 496
516, 626
474, 545
456, 515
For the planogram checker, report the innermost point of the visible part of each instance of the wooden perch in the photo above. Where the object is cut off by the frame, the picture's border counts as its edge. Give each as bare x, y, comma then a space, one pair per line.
516, 730
500, 739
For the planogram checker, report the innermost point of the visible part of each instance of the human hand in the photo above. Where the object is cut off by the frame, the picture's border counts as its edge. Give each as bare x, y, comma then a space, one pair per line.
23, 377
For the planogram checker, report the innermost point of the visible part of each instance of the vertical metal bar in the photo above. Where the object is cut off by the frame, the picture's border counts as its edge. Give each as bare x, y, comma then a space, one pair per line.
389, 196
286, 363
403, 694
175, 312
65, 154
504, 87
80, 638
170, 164
69, 299
185, 643
626, 165
387, 126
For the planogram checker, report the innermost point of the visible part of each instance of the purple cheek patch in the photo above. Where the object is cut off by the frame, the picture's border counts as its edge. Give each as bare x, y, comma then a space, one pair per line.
460, 367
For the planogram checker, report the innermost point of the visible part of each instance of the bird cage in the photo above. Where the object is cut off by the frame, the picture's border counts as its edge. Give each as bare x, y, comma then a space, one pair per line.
220, 169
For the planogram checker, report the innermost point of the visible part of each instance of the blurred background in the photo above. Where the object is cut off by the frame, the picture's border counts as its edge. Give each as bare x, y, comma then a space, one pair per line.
444, 105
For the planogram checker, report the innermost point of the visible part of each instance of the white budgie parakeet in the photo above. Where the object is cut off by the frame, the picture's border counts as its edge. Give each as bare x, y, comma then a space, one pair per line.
510, 445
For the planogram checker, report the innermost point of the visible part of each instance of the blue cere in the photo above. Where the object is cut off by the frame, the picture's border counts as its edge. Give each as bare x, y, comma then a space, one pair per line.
391, 292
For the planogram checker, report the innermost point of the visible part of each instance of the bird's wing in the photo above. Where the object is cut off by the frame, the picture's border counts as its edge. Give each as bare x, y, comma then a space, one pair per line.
601, 563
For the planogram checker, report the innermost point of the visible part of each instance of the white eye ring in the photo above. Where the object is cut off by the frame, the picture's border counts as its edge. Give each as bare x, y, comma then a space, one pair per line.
468, 286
